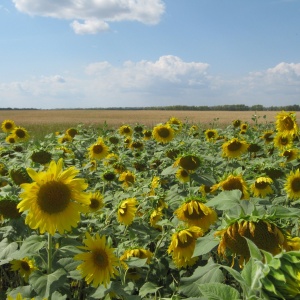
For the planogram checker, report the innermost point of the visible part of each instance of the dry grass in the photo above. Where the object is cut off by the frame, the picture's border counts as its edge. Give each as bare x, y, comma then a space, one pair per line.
118, 117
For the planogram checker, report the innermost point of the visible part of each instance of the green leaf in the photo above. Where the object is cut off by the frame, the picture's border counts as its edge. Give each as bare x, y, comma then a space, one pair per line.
6, 250
169, 170
45, 285
204, 245
135, 262
148, 288
219, 291
252, 274
226, 200
284, 212
68, 263
254, 250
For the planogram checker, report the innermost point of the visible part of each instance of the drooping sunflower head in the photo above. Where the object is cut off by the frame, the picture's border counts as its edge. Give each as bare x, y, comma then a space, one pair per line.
24, 266
98, 262
182, 175
265, 235
109, 175
254, 147
127, 210
96, 202
136, 145
172, 153
99, 150
205, 189
20, 133
211, 134
114, 140
233, 182
41, 157
163, 133
155, 216
282, 141
72, 132
128, 178
147, 134
286, 123
8, 208
125, 130
195, 213
54, 199
262, 187
135, 252
189, 162
268, 136
234, 148
236, 123
292, 185
19, 175
182, 246
8, 126
290, 154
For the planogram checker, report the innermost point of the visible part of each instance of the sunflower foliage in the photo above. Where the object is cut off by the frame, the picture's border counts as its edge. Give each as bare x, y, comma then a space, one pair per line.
173, 211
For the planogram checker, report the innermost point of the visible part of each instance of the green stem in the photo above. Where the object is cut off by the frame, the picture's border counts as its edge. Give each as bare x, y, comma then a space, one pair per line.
49, 269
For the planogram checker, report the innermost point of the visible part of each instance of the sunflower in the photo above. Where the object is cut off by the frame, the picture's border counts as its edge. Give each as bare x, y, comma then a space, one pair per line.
136, 145
182, 175
236, 123
128, 179
126, 130
18, 297
261, 187
20, 133
65, 139
98, 150
183, 244
155, 216
11, 139
292, 185
234, 148
265, 235
8, 126
175, 123
54, 200
136, 252
24, 266
290, 154
196, 213
109, 175
126, 211
205, 189
282, 141
188, 162
96, 201
233, 182
172, 153
42, 157
268, 136
19, 176
114, 140
244, 126
72, 132
211, 134
163, 133
110, 159
147, 134
8, 208
286, 123
99, 262
119, 167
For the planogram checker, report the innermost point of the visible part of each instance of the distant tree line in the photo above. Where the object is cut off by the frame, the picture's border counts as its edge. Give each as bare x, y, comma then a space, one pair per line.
230, 107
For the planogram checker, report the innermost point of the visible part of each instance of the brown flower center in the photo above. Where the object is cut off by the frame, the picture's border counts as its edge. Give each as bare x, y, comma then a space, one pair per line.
194, 215
94, 203
210, 134
189, 241
284, 141
232, 184
163, 132
234, 146
288, 123
8, 125
53, 197
100, 258
261, 185
97, 149
25, 266
296, 185
20, 133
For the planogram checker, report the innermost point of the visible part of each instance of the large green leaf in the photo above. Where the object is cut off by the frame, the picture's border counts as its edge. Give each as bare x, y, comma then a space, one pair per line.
219, 291
6, 250
226, 200
148, 288
45, 285
205, 244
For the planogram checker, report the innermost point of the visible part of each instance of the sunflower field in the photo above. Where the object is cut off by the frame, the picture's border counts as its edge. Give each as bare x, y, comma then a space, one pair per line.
175, 211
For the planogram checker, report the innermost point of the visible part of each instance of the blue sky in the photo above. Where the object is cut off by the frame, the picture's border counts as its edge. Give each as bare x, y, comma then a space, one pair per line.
128, 53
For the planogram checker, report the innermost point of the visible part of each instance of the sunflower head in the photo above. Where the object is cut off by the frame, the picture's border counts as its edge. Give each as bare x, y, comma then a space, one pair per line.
136, 145
3, 170
72, 132
20, 133
136, 252
286, 123
8, 208
182, 175
8, 126
125, 130
155, 216
65, 139
236, 123
292, 185
211, 134
290, 154
19, 176
262, 187
163, 133
147, 134
138, 129
268, 136
99, 150
175, 123
109, 176
234, 148
96, 202
24, 266
189, 162
114, 140
127, 210
128, 178
41, 157
172, 153
11, 139
282, 141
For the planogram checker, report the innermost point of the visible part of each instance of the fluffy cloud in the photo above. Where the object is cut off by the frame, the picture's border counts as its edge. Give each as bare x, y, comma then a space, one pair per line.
93, 16
167, 81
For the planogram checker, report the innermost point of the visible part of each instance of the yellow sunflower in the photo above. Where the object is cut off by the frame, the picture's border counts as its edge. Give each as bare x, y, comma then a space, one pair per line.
72, 132
109, 175
282, 141
175, 123
128, 179
234, 148
99, 150
182, 175
163, 133
155, 217
244, 127
290, 154
20, 133
211, 134
8, 126
136, 252
292, 185
265, 235
286, 123
188, 162
261, 187
205, 189
99, 262
126, 130
127, 210
236, 123
233, 182
18, 297
183, 244
54, 200
96, 201
136, 145
24, 266
11, 139
196, 213
268, 136
147, 134
65, 139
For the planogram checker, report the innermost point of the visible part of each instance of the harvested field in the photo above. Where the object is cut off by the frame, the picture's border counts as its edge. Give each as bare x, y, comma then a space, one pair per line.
119, 117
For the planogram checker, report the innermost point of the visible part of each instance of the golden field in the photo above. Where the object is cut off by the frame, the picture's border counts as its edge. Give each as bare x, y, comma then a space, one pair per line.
119, 117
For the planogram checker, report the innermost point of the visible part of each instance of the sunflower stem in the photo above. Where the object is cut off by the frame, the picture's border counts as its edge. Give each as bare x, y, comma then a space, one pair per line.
49, 268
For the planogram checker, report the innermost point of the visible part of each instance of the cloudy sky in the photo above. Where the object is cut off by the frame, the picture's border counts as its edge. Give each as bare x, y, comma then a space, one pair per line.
137, 53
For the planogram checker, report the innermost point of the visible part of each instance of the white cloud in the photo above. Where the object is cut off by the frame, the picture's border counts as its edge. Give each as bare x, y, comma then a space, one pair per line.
167, 81
93, 16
